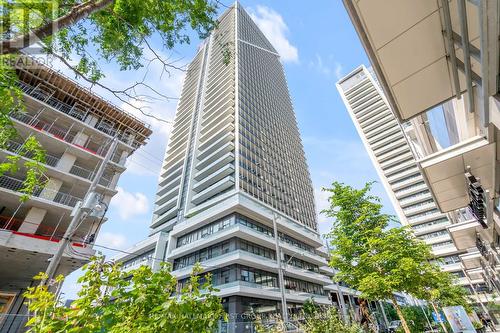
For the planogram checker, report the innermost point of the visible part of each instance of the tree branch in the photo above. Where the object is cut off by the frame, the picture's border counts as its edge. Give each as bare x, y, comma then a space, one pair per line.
77, 13
120, 94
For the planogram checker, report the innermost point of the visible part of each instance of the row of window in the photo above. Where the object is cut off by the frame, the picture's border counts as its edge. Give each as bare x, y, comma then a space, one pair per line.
207, 230
404, 179
419, 215
448, 260
442, 244
227, 221
139, 260
443, 220
434, 234
240, 219
406, 188
258, 277
202, 255
299, 263
414, 196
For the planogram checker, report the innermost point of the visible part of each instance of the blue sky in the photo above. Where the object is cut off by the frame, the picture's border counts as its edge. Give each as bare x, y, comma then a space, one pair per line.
317, 45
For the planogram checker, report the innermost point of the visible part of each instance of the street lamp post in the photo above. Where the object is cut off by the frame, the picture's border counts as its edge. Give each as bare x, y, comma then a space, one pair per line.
284, 308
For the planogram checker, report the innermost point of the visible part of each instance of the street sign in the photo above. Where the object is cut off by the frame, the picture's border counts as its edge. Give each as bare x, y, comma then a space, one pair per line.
458, 319
441, 319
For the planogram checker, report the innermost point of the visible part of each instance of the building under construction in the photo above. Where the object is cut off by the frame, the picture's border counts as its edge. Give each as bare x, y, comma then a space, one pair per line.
75, 127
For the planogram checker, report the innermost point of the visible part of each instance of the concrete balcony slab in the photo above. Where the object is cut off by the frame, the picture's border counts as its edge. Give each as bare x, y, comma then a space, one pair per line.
445, 171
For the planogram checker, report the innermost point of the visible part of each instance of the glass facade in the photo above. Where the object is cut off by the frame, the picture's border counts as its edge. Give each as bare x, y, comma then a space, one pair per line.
142, 259
234, 219
235, 244
258, 277
272, 164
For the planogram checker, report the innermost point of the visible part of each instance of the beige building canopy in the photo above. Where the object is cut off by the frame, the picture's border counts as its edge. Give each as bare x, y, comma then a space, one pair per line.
416, 48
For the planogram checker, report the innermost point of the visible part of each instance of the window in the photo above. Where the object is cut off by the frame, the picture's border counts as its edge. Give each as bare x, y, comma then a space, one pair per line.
225, 274
245, 275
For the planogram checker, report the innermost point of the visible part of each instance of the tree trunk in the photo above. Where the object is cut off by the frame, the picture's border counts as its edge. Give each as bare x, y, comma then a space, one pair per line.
77, 13
439, 317
365, 313
400, 315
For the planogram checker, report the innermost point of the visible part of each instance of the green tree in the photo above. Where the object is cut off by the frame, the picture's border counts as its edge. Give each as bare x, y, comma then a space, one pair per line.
83, 35
140, 300
416, 319
373, 258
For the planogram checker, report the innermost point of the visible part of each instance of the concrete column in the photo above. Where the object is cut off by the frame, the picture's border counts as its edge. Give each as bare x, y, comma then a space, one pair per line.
171, 244
342, 305
80, 139
160, 250
91, 120
32, 220
51, 188
66, 162
123, 157
114, 180
130, 139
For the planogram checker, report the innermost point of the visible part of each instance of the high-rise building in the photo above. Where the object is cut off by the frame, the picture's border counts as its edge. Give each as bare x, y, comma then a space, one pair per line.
75, 128
391, 153
234, 173
432, 57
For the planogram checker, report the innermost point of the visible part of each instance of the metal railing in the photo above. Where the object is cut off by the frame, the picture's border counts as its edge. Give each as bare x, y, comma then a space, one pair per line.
464, 215
60, 197
57, 132
41, 231
76, 111
52, 161
88, 174
17, 148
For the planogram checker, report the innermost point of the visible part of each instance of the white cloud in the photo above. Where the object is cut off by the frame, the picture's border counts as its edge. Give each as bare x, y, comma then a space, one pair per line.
321, 198
275, 29
113, 240
339, 70
328, 67
129, 204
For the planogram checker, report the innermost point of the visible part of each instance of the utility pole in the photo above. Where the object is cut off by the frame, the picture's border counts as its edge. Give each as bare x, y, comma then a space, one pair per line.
284, 309
340, 294
81, 210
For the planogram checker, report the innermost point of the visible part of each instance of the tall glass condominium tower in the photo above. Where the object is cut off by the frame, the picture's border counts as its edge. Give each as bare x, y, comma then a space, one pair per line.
391, 154
234, 173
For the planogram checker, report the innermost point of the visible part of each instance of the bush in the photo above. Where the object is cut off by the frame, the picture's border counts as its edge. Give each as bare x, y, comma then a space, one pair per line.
327, 320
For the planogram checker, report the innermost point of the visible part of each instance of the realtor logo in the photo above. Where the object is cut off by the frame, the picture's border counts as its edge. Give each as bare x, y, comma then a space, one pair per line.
22, 24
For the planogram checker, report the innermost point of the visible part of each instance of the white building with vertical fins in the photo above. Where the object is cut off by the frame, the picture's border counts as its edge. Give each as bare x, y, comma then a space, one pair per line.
391, 153
441, 58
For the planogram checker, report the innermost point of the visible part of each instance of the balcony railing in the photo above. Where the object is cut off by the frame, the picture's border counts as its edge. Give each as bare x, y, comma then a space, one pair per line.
77, 111
17, 148
57, 132
52, 161
88, 174
60, 197
41, 231
464, 215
